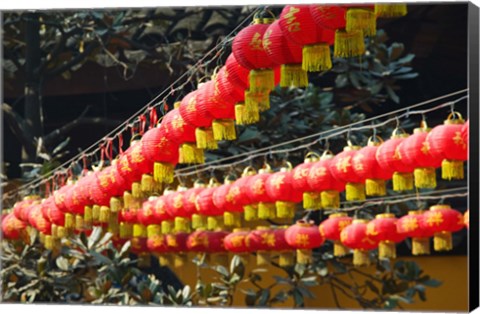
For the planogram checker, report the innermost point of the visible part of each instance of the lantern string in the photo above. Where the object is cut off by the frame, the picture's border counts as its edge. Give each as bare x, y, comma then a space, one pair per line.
186, 77
324, 135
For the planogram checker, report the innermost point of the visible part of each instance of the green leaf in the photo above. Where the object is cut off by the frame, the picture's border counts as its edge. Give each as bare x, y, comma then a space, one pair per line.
249, 134
264, 296
406, 76
61, 146
432, 283
221, 270
408, 58
94, 237
395, 51
341, 81
101, 259
62, 263
298, 298
310, 281
126, 246
281, 280
392, 94
186, 292
305, 292
354, 79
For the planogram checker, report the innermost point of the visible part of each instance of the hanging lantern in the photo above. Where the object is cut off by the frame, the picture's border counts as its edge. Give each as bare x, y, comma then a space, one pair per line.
414, 225
199, 117
55, 216
300, 28
279, 187
443, 220
390, 159
343, 169
262, 241
361, 17
321, 180
143, 165
224, 198
100, 199
240, 196
390, 9
366, 167
383, 229
157, 244
311, 198
286, 252
189, 207
212, 242
161, 215
39, 222
175, 208
331, 229
333, 17
466, 219
177, 244
206, 206
162, 151
139, 247
19, 207
59, 196
111, 183
257, 193
446, 142
304, 236
237, 243
13, 228
146, 217
355, 237
182, 133
131, 175
286, 53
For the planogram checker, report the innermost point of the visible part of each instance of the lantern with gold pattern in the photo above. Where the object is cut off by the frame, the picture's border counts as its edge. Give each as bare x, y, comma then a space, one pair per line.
304, 236
443, 220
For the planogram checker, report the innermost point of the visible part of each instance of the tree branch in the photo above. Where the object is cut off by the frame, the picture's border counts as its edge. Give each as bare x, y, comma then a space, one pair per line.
15, 123
79, 58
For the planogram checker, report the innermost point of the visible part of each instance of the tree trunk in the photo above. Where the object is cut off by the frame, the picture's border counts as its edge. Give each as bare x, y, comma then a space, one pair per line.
33, 111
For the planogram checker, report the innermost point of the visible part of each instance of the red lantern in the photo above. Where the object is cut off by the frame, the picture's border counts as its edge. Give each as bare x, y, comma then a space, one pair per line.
19, 209
175, 208
446, 142
162, 151
206, 206
286, 53
179, 131
320, 179
443, 220
390, 159
240, 195
237, 243
331, 229
414, 225
161, 215
333, 17
211, 242
279, 187
299, 27
157, 244
177, 244
466, 219
257, 193
59, 196
224, 198
355, 237
285, 250
13, 228
38, 221
189, 206
146, 217
262, 241
125, 167
367, 168
343, 169
304, 236
415, 151
383, 229
311, 199
51, 212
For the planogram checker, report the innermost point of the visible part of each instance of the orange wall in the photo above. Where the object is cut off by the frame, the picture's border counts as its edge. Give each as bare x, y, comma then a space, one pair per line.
452, 295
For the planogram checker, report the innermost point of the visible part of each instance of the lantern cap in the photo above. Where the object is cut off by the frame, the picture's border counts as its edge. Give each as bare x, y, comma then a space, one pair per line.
266, 169
305, 223
374, 141
423, 128
263, 228
311, 157
181, 188
336, 215
213, 182
199, 184
416, 212
454, 118
351, 147
396, 133
359, 221
327, 154
31, 198
385, 215
176, 104
248, 171
440, 207
286, 168
241, 229
151, 198
168, 191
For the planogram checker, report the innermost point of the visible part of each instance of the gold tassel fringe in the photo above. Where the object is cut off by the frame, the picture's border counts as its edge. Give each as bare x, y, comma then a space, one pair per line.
147, 183
179, 260
250, 213
349, 44
165, 260
125, 230
286, 258
355, 191
330, 199
387, 249
215, 222
104, 214
153, 230
304, 257
262, 79
163, 172
361, 19
166, 227
78, 222
139, 231
293, 75
232, 219
182, 224
425, 178
266, 211
452, 169
420, 246
69, 221
96, 214
127, 199
375, 187
115, 204
198, 221
87, 217
442, 241
256, 101
312, 200
190, 154
361, 258
224, 129
113, 226
390, 10
402, 181
316, 58
263, 258
204, 138
246, 117
137, 190
285, 209
339, 249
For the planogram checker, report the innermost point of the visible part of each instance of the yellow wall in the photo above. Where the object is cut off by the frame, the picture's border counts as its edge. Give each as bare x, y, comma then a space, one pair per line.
452, 295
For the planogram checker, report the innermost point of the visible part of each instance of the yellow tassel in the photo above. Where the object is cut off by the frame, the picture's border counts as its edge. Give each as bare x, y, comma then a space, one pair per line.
232, 219
304, 257
125, 230
266, 211
182, 224
285, 209
163, 172
361, 19
41, 238
215, 222
425, 178
179, 260
256, 101
244, 116
339, 249
147, 184
87, 217
139, 231
355, 191
349, 44
113, 226
61, 232
69, 221
452, 169
190, 154
166, 227
54, 231
312, 200
442, 241
49, 243
144, 260
204, 138
262, 79
104, 214
115, 204
250, 213
165, 260
330, 199
127, 199
375, 187
137, 190
293, 75
361, 258
263, 258
78, 222
386, 249
154, 230
224, 129
390, 10
198, 221
316, 58
420, 246
402, 181
286, 258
